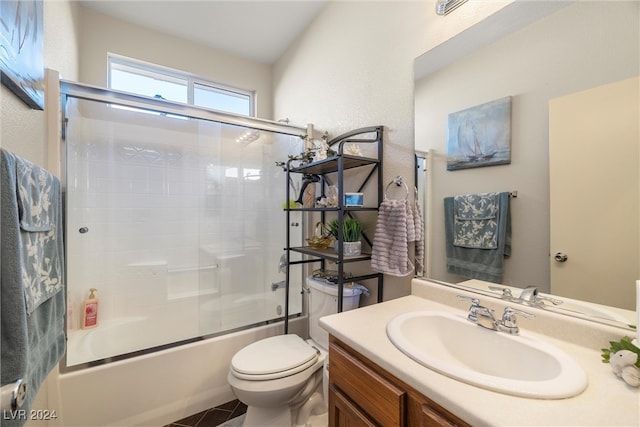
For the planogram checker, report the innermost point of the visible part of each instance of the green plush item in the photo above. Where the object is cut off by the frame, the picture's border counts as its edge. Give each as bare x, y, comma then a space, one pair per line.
623, 344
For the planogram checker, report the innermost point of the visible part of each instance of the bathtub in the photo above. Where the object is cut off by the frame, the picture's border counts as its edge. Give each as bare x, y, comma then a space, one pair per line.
157, 388
154, 389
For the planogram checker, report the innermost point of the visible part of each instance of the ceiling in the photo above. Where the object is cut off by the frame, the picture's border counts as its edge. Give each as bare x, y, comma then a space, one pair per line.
260, 30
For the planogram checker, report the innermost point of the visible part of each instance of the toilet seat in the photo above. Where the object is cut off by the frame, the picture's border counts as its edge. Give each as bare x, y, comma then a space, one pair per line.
272, 358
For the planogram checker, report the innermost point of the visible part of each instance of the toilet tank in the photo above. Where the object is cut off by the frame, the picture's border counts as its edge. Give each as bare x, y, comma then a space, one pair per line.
323, 300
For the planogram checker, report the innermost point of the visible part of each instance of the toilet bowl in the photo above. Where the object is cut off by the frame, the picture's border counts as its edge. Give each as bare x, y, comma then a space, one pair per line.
281, 378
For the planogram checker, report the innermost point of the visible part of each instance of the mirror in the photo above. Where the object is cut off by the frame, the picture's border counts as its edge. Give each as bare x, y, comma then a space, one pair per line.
577, 47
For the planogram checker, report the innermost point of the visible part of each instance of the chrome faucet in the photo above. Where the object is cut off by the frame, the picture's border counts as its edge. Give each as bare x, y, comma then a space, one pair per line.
277, 285
530, 296
483, 316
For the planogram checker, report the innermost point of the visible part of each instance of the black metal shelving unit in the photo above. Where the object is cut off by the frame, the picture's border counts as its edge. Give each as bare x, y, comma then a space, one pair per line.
331, 169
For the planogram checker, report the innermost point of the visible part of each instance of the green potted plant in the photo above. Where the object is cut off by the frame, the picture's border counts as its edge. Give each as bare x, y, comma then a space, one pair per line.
351, 232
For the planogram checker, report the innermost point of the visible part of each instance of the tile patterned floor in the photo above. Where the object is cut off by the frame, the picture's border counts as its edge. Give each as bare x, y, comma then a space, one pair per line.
212, 417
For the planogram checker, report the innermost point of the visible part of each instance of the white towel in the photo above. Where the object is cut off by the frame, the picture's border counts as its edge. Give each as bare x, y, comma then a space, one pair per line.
394, 230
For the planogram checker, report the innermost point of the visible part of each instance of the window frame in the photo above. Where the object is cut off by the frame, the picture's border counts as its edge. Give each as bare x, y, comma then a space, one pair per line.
150, 69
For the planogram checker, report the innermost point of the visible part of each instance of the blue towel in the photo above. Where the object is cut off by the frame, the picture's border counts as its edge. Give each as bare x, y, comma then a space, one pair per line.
32, 342
477, 263
476, 220
40, 242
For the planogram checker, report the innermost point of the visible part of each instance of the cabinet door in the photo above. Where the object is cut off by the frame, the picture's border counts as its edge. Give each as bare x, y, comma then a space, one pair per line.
381, 400
343, 413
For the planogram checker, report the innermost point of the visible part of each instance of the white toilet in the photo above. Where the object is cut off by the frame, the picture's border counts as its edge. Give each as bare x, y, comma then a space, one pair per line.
280, 378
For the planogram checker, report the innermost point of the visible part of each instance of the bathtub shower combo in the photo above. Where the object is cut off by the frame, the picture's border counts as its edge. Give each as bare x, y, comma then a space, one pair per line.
174, 214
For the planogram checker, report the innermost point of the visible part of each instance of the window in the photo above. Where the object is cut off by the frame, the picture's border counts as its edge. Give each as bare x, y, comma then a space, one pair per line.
153, 80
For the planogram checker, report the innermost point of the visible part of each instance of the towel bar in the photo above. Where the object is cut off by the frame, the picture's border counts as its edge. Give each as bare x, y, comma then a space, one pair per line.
399, 182
12, 395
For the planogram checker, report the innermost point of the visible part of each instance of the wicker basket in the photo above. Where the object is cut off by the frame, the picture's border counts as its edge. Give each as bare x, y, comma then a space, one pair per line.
321, 239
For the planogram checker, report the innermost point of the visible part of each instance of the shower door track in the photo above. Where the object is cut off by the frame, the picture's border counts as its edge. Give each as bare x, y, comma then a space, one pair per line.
109, 96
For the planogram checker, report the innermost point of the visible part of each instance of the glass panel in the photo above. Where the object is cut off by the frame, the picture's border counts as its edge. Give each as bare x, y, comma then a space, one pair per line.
220, 99
177, 223
148, 83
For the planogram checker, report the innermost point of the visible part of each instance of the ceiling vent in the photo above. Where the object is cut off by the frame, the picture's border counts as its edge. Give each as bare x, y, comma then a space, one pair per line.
444, 7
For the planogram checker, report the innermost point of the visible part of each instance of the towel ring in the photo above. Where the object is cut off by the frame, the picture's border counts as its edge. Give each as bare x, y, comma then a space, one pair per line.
397, 181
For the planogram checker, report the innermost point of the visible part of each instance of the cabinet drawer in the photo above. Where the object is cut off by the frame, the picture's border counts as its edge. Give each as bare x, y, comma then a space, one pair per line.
381, 400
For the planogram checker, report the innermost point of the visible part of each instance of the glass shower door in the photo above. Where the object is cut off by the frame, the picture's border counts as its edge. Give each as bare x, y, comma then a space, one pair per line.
177, 222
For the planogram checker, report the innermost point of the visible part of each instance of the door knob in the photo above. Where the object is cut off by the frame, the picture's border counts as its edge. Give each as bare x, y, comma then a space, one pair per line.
560, 257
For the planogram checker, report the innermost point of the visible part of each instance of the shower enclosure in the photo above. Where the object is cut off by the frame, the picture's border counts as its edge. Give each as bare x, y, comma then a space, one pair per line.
174, 214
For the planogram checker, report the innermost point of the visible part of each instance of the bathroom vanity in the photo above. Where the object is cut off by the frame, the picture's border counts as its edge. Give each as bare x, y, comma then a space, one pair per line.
356, 382
372, 382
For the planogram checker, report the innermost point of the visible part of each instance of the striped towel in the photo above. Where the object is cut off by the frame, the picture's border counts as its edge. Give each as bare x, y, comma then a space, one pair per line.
419, 225
394, 230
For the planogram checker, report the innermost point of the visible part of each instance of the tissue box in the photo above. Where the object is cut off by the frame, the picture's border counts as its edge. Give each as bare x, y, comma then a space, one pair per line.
354, 199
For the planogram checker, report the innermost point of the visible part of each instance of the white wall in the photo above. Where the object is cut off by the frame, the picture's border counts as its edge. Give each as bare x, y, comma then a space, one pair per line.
102, 34
353, 68
584, 45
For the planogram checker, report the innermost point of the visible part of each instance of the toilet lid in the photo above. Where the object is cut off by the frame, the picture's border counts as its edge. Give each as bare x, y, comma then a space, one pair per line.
281, 353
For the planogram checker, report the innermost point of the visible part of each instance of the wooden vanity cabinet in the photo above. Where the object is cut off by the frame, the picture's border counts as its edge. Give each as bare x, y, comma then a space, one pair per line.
363, 394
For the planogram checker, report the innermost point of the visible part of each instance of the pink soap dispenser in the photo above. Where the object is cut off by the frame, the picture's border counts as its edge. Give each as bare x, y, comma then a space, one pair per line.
90, 311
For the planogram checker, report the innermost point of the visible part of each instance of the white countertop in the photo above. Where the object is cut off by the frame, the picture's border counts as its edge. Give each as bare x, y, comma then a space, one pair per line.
607, 401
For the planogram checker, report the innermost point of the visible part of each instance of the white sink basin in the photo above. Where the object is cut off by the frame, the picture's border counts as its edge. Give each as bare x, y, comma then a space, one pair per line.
519, 365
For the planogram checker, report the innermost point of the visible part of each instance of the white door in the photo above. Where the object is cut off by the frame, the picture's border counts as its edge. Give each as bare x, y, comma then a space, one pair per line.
594, 188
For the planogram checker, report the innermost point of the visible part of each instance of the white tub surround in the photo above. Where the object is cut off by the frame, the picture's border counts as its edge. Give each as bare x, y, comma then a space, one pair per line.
606, 401
156, 388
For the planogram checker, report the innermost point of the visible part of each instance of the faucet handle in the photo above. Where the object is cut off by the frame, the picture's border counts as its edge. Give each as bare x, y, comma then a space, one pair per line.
554, 301
478, 313
474, 301
509, 323
506, 292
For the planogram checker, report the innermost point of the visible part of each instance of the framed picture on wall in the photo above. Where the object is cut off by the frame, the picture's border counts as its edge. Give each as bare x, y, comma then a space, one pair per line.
480, 136
21, 50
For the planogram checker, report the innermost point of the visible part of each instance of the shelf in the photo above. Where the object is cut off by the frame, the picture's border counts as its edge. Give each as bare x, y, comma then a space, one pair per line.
335, 209
330, 254
331, 164
337, 165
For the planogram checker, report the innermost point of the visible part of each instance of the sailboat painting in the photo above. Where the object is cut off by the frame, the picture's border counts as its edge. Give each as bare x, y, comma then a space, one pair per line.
480, 136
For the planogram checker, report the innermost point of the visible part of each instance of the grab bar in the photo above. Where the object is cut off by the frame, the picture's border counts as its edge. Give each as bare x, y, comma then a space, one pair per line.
12, 395
196, 268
